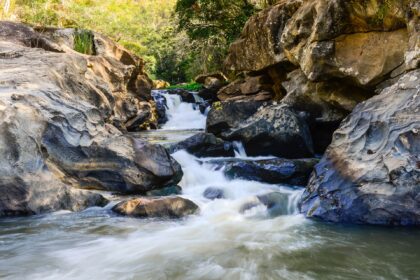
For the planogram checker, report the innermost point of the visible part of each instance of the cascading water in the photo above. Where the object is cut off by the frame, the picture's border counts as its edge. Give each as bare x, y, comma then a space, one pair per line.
182, 115
236, 237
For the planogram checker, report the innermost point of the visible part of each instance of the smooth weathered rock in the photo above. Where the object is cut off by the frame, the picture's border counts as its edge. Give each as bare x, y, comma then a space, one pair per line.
272, 171
360, 41
167, 191
62, 118
326, 104
29, 196
260, 46
226, 115
168, 207
371, 172
204, 145
274, 130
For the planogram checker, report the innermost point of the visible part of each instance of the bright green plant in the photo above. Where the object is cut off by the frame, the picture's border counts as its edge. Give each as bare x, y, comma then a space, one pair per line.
83, 42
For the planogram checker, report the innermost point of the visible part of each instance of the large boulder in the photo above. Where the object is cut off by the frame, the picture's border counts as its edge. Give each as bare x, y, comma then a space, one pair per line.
274, 130
204, 145
168, 207
31, 196
251, 88
226, 115
325, 103
371, 172
272, 171
63, 115
259, 45
362, 41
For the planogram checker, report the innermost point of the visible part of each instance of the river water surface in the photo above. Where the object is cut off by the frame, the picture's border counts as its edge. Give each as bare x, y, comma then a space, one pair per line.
221, 242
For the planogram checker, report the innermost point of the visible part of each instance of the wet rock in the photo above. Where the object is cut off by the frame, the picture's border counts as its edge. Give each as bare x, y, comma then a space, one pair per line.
204, 145
272, 171
214, 193
168, 207
226, 115
275, 202
186, 96
371, 173
161, 107
23, 197
167, 191
274, 130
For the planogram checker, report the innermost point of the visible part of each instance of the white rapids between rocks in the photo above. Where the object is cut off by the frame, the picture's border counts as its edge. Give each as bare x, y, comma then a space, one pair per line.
218, 243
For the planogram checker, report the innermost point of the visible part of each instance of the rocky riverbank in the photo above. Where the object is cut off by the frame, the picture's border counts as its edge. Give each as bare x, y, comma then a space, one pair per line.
64, 118
345, 73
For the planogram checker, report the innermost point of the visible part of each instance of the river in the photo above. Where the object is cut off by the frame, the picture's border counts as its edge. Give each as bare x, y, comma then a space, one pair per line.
221, 242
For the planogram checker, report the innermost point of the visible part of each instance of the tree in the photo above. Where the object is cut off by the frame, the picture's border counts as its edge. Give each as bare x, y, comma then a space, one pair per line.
212, 25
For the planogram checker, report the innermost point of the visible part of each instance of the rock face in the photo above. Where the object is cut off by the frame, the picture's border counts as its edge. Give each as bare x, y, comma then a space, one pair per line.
275, 130
169, 207
371, 172
204, 145
323, 57
63, 115
226, 115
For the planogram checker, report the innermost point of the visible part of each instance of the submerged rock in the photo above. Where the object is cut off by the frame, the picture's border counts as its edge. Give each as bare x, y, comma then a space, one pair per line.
275, 130
272, 171
214, 193
29, 197
204, 145
168, 207
277, 204
371, 172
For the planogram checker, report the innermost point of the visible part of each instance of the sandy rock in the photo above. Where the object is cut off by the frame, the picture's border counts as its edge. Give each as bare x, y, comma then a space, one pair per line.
168, 207
62, 120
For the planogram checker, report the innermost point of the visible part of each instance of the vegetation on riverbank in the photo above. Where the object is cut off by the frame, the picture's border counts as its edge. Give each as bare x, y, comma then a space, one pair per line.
178, 39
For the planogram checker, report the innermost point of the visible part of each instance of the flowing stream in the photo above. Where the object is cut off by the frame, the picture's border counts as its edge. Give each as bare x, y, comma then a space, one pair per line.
222, 242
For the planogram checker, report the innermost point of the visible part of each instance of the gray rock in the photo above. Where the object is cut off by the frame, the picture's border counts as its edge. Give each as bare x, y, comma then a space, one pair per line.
226, 115
273, 171
214, 193
371, 173
275, 130
168, 207
204, 145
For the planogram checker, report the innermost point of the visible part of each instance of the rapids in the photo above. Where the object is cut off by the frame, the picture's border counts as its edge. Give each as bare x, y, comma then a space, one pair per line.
221, 242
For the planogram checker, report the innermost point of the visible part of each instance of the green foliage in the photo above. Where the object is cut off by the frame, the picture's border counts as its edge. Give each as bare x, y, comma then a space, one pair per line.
83, 42
189, 87
148, 28
212, 25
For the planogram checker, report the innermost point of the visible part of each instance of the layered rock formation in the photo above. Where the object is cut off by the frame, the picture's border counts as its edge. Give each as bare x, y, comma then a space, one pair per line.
371, 171
318, 60
63, 115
